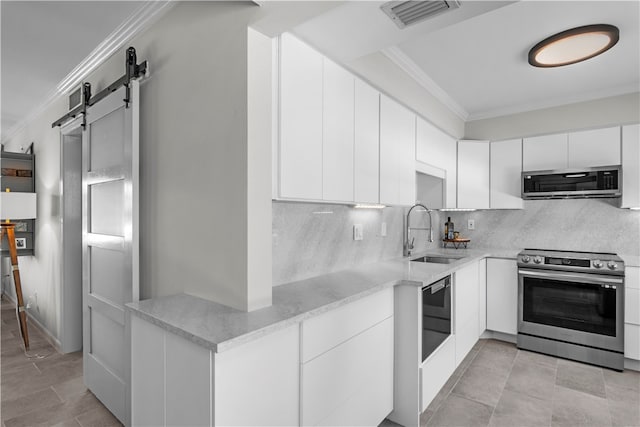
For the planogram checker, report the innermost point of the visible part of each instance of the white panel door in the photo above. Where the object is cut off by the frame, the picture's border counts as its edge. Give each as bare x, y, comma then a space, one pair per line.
502, 295
110, 279
473, 174
592, 148
548, 152
631, 166
506, 174
367, 143
337, 135
300, 154
438, 149
397, 154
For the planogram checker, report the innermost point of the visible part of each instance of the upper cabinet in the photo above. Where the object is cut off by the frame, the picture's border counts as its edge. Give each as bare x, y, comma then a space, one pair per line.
366, 143
437, 149
548, 152
397, 153
473, 174
300, 150
506, 169
337, 133
631, 166
575, 150
592, 148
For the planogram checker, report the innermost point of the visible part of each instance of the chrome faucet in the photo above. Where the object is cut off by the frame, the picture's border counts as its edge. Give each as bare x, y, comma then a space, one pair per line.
408, 245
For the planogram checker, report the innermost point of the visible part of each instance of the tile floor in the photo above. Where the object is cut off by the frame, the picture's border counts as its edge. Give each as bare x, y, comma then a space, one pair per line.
46, 391
499, 385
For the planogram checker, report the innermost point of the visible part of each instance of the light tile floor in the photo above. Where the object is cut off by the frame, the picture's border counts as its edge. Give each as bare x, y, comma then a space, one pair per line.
499, 385
46, 391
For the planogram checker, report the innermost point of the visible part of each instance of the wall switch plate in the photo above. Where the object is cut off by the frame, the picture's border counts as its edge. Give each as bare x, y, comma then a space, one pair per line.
358, 233
383, 229
471, 224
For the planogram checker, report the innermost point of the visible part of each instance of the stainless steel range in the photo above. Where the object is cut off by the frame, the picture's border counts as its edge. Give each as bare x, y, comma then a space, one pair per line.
571, 305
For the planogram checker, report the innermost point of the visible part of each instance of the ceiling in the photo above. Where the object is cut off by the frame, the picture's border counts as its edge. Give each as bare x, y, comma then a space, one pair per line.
474, 59
43, 41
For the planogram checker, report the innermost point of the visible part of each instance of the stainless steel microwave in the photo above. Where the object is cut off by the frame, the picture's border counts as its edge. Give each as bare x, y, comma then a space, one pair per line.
602, 181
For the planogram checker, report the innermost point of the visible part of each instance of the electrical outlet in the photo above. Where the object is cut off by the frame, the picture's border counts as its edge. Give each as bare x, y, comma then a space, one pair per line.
358, 233
383, 229
471, 224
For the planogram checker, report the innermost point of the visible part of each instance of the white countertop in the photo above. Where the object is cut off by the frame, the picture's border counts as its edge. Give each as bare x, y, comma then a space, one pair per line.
219, 327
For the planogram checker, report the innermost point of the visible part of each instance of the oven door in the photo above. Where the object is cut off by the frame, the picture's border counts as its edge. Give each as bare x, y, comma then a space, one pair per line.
585, 309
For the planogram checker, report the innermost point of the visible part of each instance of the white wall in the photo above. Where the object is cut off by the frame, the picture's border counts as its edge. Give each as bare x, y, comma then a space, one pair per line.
612, 111
196, 166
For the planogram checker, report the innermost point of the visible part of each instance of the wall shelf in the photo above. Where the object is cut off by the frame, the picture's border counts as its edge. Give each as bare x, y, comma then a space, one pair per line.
14, 164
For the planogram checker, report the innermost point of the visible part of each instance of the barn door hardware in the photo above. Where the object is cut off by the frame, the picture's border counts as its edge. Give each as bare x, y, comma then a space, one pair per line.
133, 70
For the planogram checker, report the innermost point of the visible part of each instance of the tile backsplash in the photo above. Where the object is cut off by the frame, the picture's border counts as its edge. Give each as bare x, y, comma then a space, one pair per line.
314, 239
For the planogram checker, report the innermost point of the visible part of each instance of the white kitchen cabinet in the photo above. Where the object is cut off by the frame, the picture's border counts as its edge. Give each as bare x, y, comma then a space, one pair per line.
505, 175
436, 370
473, 174
632, 313
347, 364
482, 296
592, 148
465, 309
366, 143
631, 166
502, 295
548, 152
437, 149
337, 133
397, 154
300, 150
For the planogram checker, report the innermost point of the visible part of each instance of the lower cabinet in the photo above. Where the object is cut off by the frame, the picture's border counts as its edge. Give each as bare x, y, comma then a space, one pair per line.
465, 309
502, 295
436, 370
632, 313
347, 364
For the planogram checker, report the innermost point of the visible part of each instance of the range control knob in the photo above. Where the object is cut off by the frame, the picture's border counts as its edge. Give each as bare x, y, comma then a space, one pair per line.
598, 264
526, 259
537, 260
612, 265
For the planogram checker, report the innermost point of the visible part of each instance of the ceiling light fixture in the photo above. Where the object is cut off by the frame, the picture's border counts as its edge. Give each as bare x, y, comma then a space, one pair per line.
574, 45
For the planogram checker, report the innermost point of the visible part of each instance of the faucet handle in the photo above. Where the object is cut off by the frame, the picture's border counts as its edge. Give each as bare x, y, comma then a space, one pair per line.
411, 244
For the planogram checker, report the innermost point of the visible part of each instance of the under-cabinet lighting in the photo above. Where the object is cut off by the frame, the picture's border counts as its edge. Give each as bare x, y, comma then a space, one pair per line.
368, 206
635, 209
457, 210
322, 212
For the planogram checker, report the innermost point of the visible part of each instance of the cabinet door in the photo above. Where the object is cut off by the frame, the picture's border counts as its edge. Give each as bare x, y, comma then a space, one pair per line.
502, 295
437, 149
473, 174
367, 143
631, 166
147, 374
548, 152
597, 147
466, 309
397, 154
482, 296
300, 154
337, 135
506, 169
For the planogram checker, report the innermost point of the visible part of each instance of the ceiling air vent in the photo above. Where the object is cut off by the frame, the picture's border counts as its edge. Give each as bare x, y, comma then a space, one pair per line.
405, 13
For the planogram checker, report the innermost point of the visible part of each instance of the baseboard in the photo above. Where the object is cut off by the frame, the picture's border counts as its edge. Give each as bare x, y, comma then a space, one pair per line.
632, 364
33, 322
500, 336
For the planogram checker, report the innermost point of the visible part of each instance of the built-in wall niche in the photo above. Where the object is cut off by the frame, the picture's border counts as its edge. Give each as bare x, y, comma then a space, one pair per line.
18, 175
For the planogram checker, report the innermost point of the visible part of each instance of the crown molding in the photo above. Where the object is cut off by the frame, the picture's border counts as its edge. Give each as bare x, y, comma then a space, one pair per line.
140, 20
403, 61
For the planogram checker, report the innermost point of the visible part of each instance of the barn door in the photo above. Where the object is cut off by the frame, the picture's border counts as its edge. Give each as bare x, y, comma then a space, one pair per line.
109, 244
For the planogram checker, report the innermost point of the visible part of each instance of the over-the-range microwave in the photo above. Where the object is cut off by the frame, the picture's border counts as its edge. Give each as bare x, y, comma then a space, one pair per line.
604, 181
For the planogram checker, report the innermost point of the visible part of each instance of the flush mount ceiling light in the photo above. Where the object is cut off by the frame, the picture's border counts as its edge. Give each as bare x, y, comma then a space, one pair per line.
574, 45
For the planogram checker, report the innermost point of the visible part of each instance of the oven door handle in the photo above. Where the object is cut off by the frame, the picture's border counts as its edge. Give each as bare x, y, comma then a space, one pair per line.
584, 278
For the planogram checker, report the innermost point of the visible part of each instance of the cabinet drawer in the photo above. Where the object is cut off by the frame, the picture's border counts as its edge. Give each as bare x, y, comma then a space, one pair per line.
632, 306
351, 383
327, 330
632, 277
632, 341
436, 370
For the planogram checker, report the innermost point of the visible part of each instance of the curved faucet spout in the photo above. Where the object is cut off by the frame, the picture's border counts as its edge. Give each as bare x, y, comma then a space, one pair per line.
408, 245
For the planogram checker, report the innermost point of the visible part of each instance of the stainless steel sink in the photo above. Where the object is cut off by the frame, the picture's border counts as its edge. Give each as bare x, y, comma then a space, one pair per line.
437, 259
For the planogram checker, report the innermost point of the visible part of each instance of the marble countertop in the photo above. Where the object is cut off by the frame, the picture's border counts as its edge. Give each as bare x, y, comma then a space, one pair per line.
219, 327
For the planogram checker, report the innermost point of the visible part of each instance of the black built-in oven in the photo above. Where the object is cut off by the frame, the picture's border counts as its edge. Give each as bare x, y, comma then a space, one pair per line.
436, 315
572, 305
